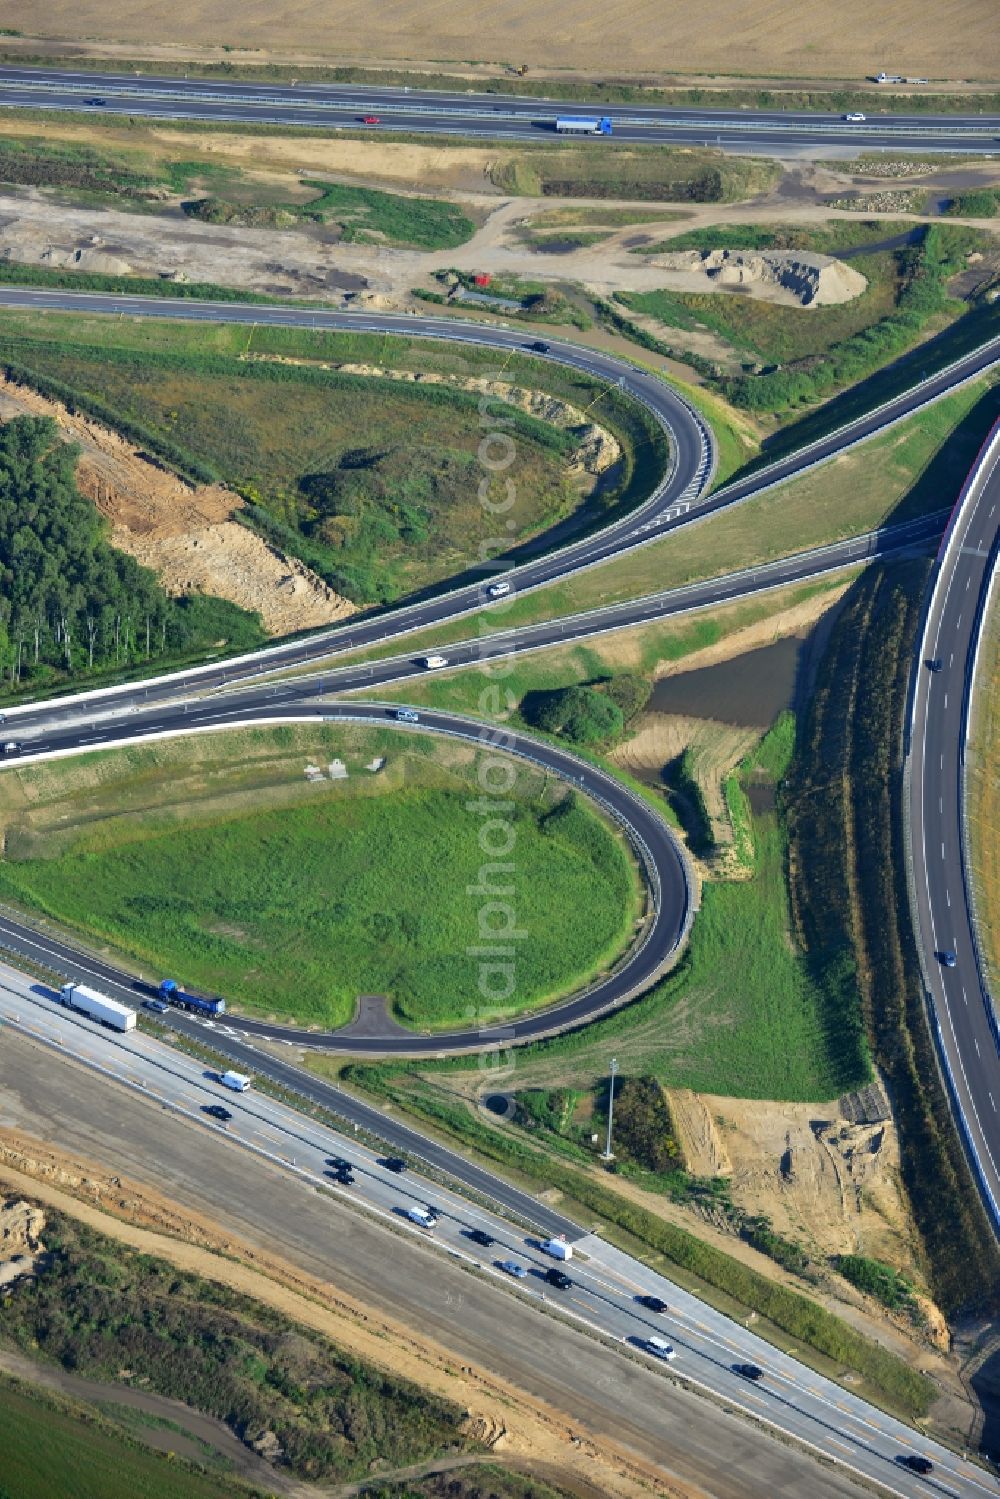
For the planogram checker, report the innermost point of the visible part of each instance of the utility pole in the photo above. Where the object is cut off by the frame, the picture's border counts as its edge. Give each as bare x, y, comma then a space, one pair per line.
608, 1155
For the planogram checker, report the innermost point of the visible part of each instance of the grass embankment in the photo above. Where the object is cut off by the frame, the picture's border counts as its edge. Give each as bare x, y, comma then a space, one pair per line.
375, 519
221, 193
852, 910
364, 215
905, 301
100, 1308
983, 781
46, 1438
356, 887
915, 469
639, 648
655, 173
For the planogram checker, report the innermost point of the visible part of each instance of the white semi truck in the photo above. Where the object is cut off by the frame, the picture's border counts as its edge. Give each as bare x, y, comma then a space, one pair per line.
98, 1007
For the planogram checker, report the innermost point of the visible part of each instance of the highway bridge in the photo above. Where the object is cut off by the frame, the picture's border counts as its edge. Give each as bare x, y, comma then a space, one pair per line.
490, 116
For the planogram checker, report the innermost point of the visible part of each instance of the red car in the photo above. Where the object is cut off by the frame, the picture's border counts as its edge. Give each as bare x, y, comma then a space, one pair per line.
371, 120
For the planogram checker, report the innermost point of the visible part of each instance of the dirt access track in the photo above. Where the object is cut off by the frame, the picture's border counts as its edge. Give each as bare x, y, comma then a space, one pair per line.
773, 38
184, 534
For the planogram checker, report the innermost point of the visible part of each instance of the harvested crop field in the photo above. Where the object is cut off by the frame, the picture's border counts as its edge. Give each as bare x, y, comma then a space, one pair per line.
772, 40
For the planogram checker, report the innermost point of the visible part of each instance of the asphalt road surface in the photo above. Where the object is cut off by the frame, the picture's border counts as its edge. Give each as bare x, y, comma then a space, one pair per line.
677, 500
961, 1007
659, 853
265, 1172
490, 116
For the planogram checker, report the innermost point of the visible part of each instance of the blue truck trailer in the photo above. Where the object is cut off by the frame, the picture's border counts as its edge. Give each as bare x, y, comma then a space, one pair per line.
172, 994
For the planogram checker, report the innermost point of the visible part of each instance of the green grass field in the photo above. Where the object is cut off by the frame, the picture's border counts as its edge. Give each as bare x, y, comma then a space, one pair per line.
374, 483
50, 1447
741, 1017
345, 889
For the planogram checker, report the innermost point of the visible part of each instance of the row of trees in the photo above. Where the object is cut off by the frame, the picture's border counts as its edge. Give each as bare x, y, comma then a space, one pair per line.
70, 603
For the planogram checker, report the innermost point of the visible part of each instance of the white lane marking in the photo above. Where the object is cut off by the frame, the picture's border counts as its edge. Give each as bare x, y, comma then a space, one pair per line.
947, 896
992, 1101
976, 1041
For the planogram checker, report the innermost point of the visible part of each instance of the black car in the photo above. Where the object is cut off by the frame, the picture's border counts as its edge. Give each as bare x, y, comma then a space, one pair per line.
558, 1278
97, 103
538, 347
652, 1303
393, 1163
480, 1236
338, 1163
344, 1178
216, 1111
916, 1464
748, 1371
936, 664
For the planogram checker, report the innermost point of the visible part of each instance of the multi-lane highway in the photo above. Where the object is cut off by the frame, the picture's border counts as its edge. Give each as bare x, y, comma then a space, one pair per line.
671, 889
962, 1009
338, 106
859, 1440
168, 706
678, 500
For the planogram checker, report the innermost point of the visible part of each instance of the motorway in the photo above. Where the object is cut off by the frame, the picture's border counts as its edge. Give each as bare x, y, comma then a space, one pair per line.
961, 1007
493, 116
282, 1184
671, 888
677, 501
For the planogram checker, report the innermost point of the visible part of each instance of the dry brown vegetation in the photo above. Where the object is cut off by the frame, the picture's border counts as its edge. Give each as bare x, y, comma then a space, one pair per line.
955, 40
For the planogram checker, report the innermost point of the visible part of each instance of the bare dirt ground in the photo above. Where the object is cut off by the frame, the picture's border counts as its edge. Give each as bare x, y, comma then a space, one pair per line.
514, 1426
184, 534
957, 40
37, 229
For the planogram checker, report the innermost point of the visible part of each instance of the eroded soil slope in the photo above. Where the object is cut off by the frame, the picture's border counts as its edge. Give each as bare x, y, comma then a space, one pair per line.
185, 534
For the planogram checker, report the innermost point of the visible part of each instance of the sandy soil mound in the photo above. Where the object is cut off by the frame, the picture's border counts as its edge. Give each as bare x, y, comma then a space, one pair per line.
21, 1227
791, 276
184, 534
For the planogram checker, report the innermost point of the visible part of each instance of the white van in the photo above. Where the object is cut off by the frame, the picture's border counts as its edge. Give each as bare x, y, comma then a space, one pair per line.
425, 1217
498, 590
558, 1248
432, 661
235, 1080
